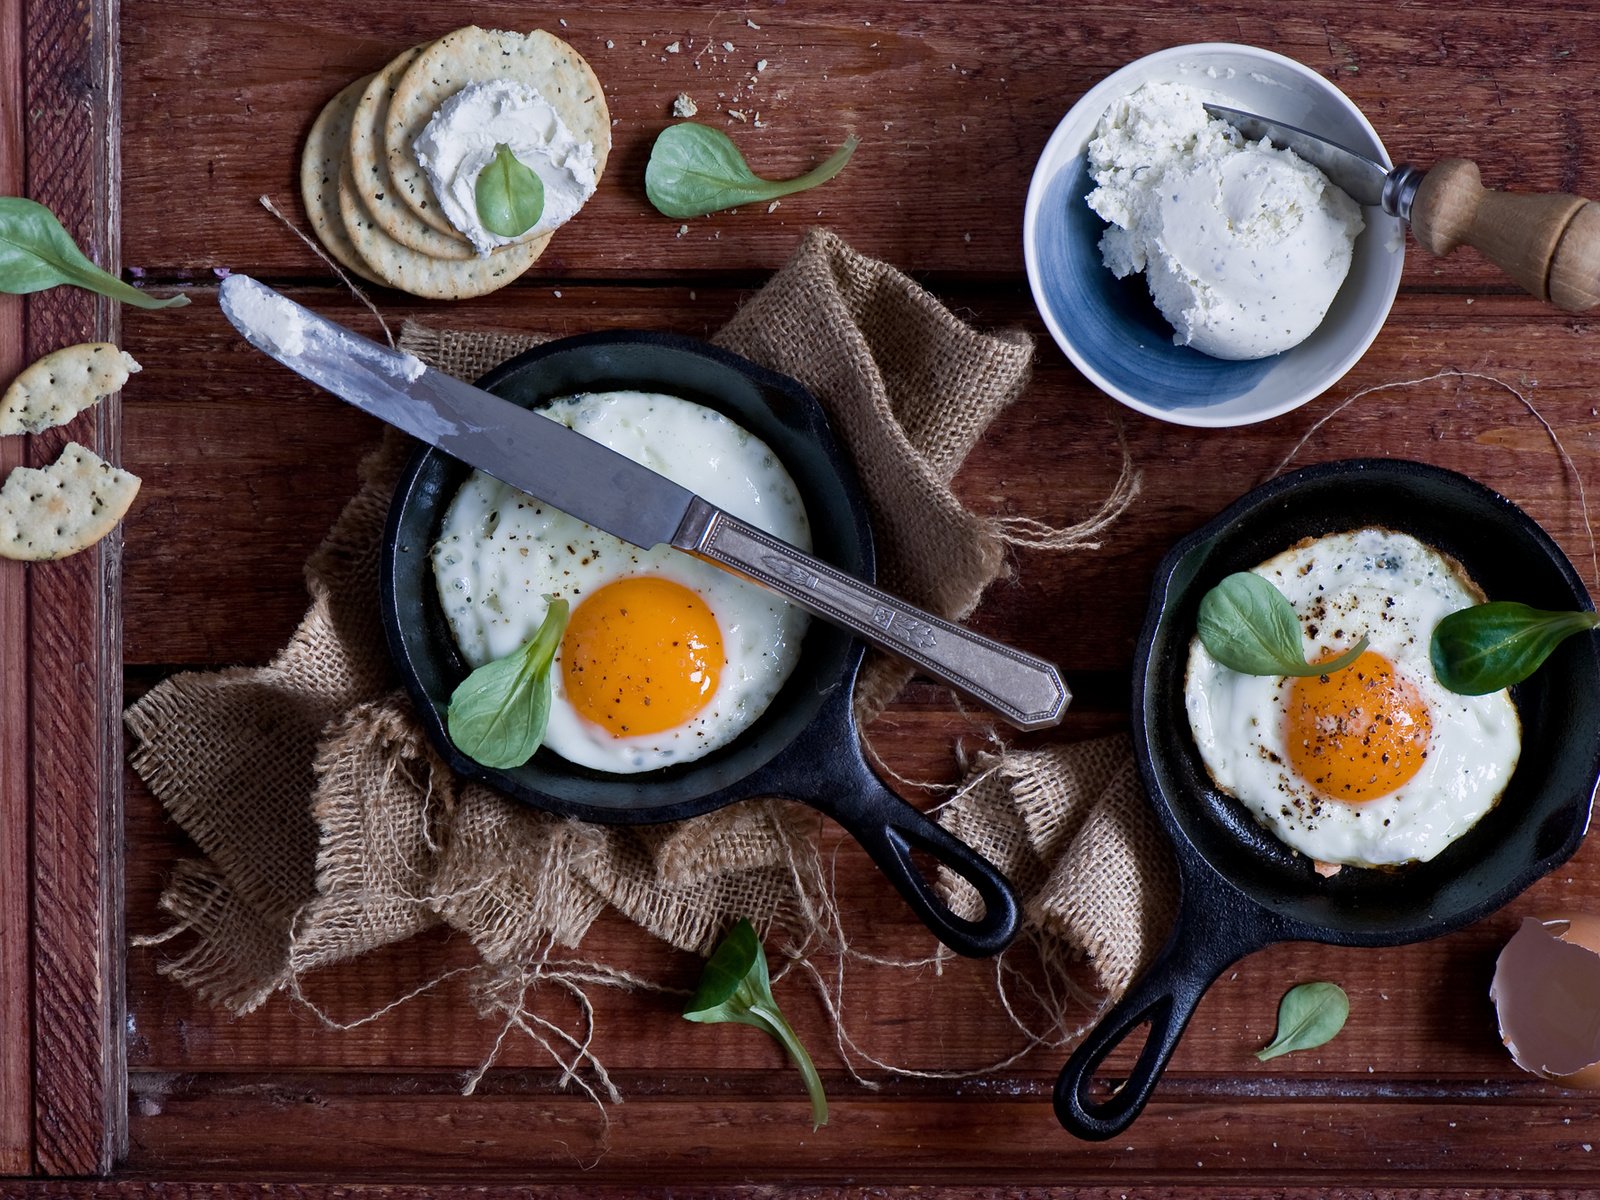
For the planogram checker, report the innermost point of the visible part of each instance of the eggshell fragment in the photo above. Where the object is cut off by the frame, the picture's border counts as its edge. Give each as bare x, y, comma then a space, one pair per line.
1546, 992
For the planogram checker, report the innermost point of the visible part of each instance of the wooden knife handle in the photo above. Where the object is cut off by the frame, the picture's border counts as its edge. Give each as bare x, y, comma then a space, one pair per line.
1548, 244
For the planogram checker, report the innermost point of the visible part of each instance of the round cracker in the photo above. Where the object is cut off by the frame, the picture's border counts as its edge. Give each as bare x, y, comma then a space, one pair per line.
423, 275
427, 232
327, 147
473, 55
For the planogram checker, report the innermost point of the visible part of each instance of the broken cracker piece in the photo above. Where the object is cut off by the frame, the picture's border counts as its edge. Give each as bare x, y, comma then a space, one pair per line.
61, 385
51, 512
684, 105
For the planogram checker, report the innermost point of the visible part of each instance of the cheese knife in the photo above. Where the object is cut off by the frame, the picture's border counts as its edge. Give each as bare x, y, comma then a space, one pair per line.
596, 484
1549, 244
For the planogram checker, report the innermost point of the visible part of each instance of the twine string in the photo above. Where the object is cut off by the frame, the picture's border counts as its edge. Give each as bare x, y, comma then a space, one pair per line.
1523, 398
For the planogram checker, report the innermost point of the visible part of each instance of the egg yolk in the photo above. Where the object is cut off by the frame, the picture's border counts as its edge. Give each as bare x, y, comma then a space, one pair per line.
1359, 733
641, 655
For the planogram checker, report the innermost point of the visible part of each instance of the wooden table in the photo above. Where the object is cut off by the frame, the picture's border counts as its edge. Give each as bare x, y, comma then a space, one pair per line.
153, 129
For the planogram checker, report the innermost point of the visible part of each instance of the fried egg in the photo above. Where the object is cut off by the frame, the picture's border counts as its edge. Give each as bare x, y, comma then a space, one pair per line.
1377, 764
665, 657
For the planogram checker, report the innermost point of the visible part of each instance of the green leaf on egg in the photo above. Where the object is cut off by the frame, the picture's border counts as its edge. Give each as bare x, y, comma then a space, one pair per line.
509, 194
497, 714
1249, 626
735, 986
1491, 646
1309, 1016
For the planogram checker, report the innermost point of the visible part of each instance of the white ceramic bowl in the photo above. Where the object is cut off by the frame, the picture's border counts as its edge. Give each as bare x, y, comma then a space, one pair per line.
1112, 330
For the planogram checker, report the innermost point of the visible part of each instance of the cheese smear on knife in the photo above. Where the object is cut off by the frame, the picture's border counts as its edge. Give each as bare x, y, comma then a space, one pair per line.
460, 140
1243, 245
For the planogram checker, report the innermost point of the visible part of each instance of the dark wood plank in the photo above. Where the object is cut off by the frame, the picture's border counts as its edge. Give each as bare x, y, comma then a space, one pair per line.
74, 634
1303, 1138
1395, 1030
245, 465
16, 1011
953, 89
218, 1186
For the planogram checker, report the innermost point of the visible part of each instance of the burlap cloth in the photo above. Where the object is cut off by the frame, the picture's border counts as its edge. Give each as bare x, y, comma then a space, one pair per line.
327, 827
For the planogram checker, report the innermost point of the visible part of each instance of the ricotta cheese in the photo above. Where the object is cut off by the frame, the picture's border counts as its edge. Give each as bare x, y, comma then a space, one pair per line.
1244, 245
460, 140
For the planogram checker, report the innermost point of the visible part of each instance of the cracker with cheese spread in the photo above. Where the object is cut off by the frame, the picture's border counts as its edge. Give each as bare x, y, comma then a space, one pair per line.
61, 385
422, 274
425, 231
538, 60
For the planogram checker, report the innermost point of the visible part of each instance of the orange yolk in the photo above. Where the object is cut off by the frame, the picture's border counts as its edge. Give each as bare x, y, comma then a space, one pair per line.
1359, 733
641, 655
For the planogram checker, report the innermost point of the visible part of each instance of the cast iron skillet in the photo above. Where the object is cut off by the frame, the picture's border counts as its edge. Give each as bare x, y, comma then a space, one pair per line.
1241, 888
805, 746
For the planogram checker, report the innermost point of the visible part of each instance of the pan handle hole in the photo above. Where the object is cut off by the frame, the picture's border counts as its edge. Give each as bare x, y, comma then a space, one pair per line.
963, 898
1112, 1071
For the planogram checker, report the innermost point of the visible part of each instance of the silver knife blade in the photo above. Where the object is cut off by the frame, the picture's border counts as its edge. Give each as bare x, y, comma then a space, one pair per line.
585, 479
517, 446
1363, 178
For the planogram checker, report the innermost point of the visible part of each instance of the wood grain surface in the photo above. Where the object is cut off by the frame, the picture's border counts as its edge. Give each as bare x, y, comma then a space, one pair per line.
74, 632
16, 976
244, 466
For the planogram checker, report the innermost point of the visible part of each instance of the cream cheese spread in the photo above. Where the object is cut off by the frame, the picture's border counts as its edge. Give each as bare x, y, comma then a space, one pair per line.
271, 318
460, 141
1244, 245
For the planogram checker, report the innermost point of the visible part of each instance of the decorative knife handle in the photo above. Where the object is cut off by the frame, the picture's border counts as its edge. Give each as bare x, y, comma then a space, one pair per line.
1550, 243
1026, 691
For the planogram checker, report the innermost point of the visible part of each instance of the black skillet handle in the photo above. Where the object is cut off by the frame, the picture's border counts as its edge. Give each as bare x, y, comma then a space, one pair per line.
829, 773
889, 829
1205, 942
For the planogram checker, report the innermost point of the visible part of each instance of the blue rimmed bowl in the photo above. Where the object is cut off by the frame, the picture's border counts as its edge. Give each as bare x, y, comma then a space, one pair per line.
1111, 329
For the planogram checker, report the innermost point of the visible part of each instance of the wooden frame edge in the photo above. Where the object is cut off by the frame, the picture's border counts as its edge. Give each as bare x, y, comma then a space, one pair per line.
71, 675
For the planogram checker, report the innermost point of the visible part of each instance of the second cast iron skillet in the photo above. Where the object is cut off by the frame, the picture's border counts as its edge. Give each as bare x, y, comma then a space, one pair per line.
1241, 888
805, 746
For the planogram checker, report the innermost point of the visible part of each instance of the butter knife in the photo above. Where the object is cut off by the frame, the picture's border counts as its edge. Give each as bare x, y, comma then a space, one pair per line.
595, 484
1549, 244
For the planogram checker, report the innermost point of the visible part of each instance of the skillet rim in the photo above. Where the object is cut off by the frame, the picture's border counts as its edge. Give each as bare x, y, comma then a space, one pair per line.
1197, 872
832, 720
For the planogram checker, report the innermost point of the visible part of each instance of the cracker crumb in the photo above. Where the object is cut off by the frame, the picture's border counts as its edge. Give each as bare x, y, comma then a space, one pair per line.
684, 105
773, 207
966, 237
736, 115
557, 294
751, 23
563, 21
728, 46
682, 229
761, 64
674, 48
610, 45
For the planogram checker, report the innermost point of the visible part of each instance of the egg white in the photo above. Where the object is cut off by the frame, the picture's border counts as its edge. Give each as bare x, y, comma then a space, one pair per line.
500, 553
1394, 589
